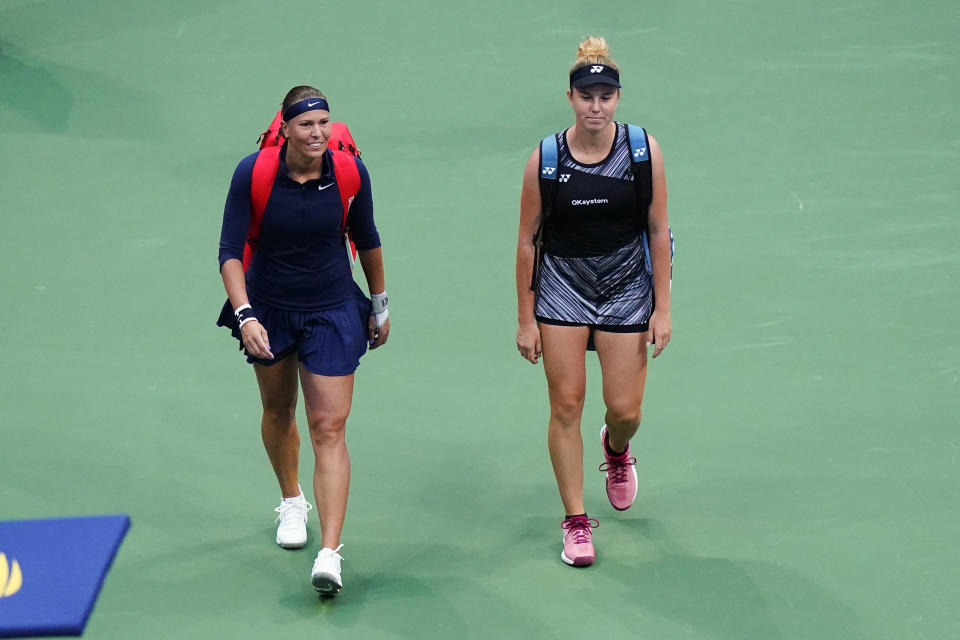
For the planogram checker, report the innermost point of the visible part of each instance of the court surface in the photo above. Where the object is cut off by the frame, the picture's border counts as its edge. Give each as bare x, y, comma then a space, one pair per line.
799, 457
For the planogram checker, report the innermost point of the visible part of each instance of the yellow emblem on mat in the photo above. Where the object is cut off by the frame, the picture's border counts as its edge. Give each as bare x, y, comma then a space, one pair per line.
10, 577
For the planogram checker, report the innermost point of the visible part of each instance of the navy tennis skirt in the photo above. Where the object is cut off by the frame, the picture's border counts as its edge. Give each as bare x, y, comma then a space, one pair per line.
328, 342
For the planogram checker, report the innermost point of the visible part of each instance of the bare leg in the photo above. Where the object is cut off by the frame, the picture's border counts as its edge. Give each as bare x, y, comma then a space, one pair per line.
623, 362
564, 349
327, 400
278, 427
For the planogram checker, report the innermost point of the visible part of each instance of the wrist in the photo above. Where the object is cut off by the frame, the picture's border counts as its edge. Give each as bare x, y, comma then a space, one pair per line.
244, 314
380, 301
378, 309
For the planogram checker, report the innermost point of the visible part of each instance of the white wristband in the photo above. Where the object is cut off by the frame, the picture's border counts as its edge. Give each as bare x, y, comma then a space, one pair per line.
380, 302
237, 311
381, 317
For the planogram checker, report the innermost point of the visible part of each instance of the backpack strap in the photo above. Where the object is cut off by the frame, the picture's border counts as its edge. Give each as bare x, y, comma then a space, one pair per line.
549, 163
642, 168
637, 139
265, 169
640, 165
347, 174
549, 157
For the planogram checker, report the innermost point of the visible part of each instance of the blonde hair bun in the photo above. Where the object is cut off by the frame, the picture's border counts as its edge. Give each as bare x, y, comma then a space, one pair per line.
594, 50
593, 47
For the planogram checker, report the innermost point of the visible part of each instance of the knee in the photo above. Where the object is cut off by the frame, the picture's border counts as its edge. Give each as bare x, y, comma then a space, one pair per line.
624, 416
567, 408
327, 429
279, 412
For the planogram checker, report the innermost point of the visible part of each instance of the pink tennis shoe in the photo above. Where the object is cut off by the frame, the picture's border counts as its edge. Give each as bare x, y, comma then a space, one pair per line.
621, 474
578, 541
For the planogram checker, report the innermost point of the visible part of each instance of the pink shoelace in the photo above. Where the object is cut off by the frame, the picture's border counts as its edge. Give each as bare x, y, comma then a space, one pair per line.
579, 528
617, 468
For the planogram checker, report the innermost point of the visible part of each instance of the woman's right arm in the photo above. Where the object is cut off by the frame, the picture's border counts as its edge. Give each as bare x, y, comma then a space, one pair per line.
528, 334
233, 237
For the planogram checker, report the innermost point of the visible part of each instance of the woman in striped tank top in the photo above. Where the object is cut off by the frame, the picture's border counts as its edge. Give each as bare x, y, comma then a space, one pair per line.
592, 288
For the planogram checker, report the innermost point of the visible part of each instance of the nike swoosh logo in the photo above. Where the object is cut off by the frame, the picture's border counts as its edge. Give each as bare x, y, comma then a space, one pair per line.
324, 186
310, 104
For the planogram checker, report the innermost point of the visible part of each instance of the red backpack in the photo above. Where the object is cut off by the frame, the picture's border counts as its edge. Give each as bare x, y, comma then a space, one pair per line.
265, 172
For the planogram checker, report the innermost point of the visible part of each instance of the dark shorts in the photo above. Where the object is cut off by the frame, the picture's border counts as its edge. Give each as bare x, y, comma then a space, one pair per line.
328, 342
612, 292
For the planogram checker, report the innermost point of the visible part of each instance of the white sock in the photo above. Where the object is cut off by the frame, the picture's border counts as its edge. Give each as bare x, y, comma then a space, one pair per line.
296, 498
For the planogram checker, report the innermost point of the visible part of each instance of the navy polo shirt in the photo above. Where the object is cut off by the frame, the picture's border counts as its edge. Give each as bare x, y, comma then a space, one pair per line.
300, 263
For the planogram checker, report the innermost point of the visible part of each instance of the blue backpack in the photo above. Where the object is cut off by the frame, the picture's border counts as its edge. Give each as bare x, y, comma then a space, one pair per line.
642, 178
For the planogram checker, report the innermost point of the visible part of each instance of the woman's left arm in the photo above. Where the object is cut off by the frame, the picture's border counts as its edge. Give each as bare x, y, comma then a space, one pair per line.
658, 230
367, 239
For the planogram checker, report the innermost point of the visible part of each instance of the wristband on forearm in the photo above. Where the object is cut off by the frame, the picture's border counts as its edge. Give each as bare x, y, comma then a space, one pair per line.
379, 310
244, 314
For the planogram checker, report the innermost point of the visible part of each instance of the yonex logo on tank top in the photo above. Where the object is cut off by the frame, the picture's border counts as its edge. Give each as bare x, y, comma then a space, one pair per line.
548, 171
564, 177
577, 203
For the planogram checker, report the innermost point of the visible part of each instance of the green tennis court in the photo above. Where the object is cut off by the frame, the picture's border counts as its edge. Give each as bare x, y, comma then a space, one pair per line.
799, 459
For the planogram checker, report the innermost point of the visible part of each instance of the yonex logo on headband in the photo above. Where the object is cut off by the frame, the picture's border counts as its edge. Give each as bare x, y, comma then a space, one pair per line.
597, 68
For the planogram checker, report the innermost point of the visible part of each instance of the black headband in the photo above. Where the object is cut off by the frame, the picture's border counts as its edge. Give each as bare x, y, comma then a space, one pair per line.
309, 104
594, 74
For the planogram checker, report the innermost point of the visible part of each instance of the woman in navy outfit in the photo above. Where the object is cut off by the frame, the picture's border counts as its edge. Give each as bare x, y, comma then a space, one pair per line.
300, 317
592, 283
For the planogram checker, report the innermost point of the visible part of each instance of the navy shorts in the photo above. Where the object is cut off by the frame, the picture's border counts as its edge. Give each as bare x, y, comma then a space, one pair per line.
328, 342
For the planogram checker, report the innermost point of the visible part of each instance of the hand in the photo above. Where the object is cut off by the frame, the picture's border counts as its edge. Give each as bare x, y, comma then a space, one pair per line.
659, 332
377, 336
528, 341
255, 340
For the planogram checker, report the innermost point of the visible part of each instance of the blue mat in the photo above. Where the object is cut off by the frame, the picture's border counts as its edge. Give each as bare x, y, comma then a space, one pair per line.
51, 572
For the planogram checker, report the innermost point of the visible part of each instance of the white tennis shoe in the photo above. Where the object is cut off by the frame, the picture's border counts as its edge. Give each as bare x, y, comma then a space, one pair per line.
325, 576
292, 530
